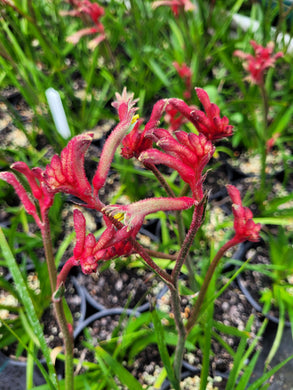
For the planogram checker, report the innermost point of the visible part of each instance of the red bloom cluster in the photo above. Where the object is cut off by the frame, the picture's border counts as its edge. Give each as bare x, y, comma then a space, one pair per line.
90, 13
261, 60
187, 153
186, 74
244, 226
88, 252
174, 118
176, 5
210, 123
39, 190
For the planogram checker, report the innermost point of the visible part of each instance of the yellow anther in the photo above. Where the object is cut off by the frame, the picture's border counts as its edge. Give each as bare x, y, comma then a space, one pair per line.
134, 119
119, 216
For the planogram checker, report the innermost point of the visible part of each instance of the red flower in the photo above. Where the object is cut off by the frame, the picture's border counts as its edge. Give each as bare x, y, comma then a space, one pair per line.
244, 226
66, 173
188, 155
210, 123
88, 252
90, 13
124, 105
176, 5
38, 189
261, 60
134, 214
139, 140
135, 142
186, 74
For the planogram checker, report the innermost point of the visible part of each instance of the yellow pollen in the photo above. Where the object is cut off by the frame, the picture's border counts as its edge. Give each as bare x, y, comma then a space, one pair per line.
134, 119
119, 216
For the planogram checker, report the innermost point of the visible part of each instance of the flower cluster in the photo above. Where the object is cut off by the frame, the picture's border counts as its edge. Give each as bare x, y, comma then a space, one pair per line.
210, 124
186, 153
90, 13
256, 64
176, 5
39, 192
186, 74
245, 228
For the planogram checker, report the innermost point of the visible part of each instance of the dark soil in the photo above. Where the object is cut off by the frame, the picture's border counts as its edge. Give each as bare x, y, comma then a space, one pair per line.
127, 287
51, 329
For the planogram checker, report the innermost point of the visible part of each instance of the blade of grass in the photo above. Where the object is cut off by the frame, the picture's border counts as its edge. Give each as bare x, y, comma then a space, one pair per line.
124, 376
237, 363
280, 329
259, 382
159, 330
29, 307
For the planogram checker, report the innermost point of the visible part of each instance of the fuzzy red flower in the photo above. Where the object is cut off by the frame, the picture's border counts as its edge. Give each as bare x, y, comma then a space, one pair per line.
209, 123
244, 226
134, 214
176, 5
185, 73
135, 142
38, 188
125, 106
188, 155
90, 13
66, 173
256, 64
139, 140
88, 252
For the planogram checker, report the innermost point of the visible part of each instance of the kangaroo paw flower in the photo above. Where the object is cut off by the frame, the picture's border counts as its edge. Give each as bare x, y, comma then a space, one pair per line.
38, 190
126, 110
256, 64
66, 173
210, 123
134, 214
244, 226
188, 155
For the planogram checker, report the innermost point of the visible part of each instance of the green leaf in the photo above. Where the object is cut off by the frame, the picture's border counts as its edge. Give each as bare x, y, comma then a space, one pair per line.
124, 376
158, 71
258, 383
29, 307
160, 334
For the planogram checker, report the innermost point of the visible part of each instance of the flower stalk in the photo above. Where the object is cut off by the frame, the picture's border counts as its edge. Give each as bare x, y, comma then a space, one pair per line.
65, 328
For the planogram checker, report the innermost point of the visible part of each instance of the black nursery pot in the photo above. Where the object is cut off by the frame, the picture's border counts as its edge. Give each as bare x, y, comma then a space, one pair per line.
117, 289
249, 287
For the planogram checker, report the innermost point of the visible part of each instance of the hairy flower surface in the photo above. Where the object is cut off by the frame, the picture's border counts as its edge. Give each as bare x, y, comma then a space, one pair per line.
88, 252
188, 155
66, 173
139, 140
262, 59
125, 106
209, 123
176, 5
90, 13
135, 142
135, 213
38, 190
244, 226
